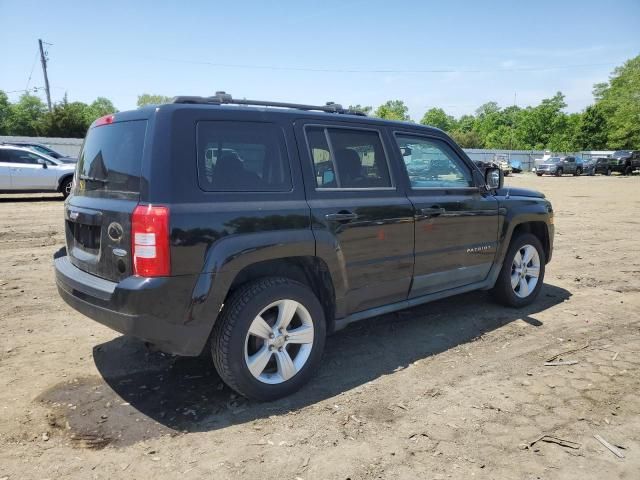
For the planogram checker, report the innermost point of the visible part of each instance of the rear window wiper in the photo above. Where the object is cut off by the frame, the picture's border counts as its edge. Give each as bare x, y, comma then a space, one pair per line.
94, 179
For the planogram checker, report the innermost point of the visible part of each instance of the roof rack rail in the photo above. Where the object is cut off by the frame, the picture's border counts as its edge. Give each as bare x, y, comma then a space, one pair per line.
221, 98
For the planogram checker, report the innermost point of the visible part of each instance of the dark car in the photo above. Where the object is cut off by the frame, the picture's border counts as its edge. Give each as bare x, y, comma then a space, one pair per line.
588, 166
604, 165
559, 166
483, 165
625, 161
46, 150
218, 225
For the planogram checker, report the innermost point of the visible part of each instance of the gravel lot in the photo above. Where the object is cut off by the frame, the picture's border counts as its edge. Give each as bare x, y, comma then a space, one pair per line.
452, 389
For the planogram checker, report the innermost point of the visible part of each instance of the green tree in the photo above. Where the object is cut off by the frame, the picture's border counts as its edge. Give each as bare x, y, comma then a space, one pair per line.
25, 116
151, 99
393, 110
468, 139
359, 108
100, 107
5, 107
68, 119
436, 117
619, 101
593, 130
487, 109
536, 125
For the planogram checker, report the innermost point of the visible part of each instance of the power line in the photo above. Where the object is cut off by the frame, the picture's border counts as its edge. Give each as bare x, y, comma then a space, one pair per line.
381, 70
33, 65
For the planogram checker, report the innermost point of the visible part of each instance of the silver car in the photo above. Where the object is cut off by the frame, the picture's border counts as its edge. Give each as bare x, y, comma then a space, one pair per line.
23, 170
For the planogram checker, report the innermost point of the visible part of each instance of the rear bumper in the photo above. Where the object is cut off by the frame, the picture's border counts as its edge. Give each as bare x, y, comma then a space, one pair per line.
155, 310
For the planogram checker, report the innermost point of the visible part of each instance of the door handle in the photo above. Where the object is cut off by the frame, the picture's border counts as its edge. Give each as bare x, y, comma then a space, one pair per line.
433, 211
341, 216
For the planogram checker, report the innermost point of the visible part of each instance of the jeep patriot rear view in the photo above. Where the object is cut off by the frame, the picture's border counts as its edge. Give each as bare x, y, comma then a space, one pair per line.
253, 232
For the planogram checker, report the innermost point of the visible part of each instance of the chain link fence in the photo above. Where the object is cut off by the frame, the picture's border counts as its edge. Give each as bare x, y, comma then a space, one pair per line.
526, 160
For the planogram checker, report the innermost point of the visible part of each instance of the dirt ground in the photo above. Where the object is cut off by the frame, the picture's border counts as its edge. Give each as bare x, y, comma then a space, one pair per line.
453, 389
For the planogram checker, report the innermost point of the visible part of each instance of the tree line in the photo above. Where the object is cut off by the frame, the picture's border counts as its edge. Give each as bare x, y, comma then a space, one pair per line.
612, 122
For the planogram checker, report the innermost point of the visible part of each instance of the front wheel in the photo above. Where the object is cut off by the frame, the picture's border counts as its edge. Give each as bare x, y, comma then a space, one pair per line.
608, 172
628, 171
269, 338
66, 187
522, 272
578, 172
559, 172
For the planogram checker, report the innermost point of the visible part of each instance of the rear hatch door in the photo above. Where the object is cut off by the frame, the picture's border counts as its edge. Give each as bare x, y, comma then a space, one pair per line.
106, 190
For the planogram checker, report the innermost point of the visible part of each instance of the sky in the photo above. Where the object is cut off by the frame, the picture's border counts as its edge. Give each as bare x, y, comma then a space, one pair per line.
455, 55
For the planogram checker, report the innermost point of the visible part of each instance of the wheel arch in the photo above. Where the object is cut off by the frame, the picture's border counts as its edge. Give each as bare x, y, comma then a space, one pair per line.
63, 179
307, 270
537, 228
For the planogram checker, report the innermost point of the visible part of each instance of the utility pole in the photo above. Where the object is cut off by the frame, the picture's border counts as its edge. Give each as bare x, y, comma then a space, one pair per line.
43, 60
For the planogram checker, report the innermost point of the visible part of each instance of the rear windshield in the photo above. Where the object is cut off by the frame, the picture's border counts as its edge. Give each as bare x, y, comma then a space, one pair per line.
110, 162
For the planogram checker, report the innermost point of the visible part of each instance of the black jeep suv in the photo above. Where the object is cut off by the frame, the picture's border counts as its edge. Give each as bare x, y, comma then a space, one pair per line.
253, 232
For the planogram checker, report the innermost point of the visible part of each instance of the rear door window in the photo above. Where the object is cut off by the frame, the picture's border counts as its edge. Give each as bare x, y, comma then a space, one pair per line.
348, 158
110, 162
242, 157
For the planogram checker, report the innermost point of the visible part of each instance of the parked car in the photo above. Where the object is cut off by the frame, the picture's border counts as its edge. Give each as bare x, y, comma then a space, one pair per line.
516, 165
604, 165
483, 165
45, 150
559, 166
313, 217
588, 166
503, 162
625, 161
23, 170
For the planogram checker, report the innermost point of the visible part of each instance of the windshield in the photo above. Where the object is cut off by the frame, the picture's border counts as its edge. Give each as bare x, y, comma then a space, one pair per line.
621, 153
110, 161
46, 151
553, 160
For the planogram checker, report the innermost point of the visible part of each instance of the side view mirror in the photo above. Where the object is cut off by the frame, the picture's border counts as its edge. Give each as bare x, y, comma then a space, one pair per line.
493, 178
42, 162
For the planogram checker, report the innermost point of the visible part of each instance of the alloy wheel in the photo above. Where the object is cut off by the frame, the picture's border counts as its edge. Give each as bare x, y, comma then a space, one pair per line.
525, 271
279, 341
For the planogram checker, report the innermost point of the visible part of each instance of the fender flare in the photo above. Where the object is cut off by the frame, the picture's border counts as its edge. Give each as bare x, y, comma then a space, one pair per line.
227, 257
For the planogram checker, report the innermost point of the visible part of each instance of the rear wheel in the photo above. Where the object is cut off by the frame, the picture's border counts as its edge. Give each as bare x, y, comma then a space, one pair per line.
608, 172
66, 186
269, 338
559, 172
539, 174
522, 272
578, 172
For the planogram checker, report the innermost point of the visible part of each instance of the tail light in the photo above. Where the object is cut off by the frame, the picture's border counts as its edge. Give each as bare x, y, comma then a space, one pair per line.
150, 241
106, 120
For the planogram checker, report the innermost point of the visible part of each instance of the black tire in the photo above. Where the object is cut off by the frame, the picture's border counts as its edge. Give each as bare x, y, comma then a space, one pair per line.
65, 187
608, 172
628, 171
578, 172
502, 290
559, 172
230, 333
539, 174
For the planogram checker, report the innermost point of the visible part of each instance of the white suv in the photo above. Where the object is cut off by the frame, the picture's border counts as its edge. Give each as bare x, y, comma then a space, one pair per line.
23, 170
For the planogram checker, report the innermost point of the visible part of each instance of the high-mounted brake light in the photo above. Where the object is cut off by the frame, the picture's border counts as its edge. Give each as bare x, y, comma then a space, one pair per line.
150, 241
106, 120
